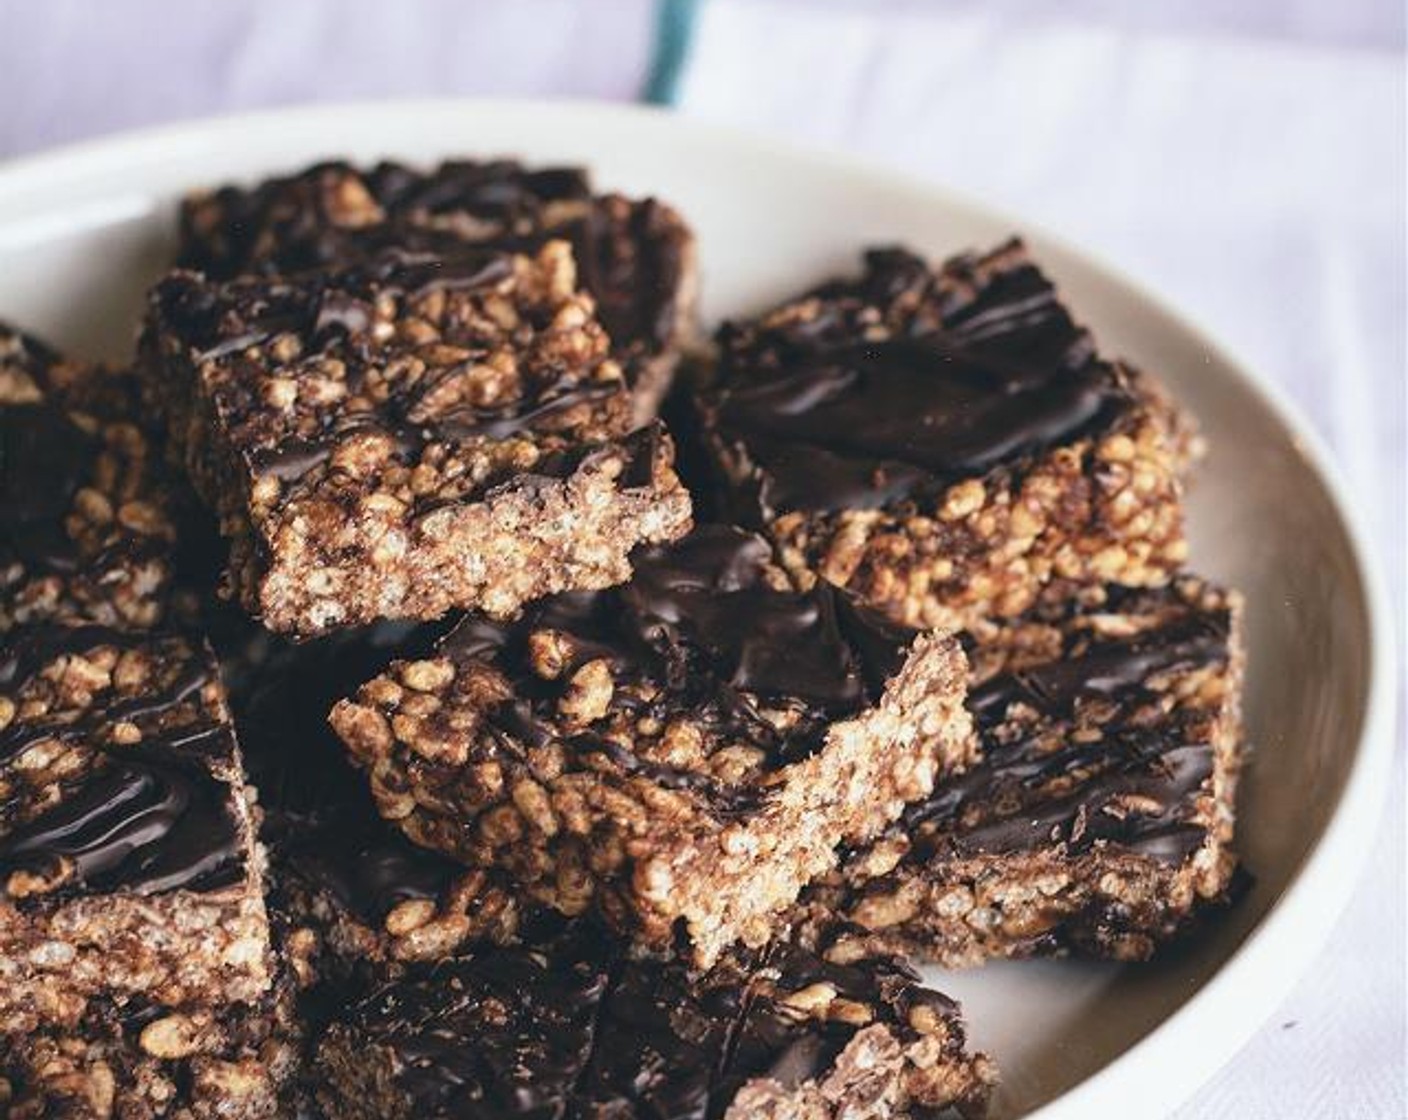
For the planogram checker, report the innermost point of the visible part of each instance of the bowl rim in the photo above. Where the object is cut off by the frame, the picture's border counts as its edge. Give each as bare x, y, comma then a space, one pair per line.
1212, 1025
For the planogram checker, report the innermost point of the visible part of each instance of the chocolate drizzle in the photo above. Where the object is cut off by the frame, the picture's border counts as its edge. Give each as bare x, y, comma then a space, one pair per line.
334, 312
630, 255
631, 258
701, 631
44, 460
220, 320
972, 815
499, 190
138, 824
324, 825
830, 419
498, 1033
29, 650
1041, 783
1104, 669
146, 817
568, 1025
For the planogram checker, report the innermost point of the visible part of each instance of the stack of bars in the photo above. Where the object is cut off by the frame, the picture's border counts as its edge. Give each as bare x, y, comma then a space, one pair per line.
387, 732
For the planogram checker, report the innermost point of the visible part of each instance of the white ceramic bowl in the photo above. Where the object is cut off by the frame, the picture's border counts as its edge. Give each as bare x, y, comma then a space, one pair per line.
83, 232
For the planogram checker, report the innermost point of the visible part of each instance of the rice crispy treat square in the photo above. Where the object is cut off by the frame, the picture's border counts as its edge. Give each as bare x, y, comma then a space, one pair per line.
408, 435
946, 442
636, 256
687, 750
129, 869
1100, 817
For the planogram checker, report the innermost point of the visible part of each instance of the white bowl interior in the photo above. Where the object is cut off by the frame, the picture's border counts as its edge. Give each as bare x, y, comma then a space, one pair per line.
82, 235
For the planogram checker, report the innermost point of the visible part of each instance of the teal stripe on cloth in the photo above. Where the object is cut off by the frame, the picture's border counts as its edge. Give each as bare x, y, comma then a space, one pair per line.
674, 26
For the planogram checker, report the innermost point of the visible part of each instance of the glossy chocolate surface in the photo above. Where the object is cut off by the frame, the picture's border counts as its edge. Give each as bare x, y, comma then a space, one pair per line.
323, 825
897, 385
331, 314
45, 459
702, 632
147, 816
630, 255
1051, 775
569, 1025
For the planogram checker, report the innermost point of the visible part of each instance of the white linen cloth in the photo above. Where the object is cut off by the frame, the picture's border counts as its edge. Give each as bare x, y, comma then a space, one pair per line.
1268, 138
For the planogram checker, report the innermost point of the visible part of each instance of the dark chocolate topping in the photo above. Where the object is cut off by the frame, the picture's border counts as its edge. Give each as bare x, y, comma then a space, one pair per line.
44, 460
1030, 792
292, 459
499, 1033
569, 1026
286, 224
1007, 804
333, 311
831, 420
497, 189
629, 254
705, 599
631, 258
1105, 669
222, 319
503, 423
147, 817
136, 824
325, 826
373, 877
27, 651
704, 631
